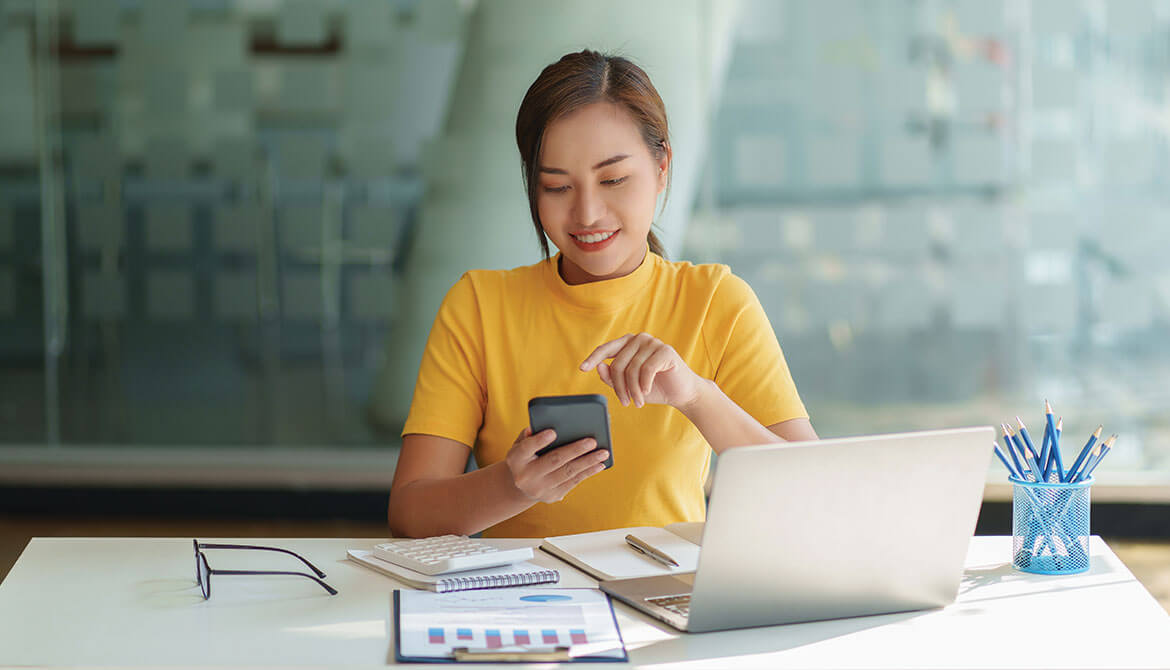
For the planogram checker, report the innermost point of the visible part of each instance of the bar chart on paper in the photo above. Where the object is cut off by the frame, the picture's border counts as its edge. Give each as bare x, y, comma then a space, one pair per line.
495, 638
433, 625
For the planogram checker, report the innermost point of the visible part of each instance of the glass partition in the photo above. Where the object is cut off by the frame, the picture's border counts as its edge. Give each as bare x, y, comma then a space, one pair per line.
224, 223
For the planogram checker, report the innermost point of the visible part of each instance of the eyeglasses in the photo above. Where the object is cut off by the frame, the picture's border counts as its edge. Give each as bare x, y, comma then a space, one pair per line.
203, 572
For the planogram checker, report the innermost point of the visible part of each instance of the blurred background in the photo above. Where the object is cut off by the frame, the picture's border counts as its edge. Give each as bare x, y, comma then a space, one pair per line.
225, 225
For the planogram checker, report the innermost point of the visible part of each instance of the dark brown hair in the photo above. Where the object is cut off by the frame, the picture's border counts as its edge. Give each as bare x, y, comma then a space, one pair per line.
577, 80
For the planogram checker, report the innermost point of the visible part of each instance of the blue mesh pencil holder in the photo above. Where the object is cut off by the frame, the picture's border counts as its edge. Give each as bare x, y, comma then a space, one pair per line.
1050, 527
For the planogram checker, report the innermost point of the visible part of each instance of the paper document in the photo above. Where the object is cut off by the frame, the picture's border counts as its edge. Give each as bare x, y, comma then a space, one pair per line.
433, 625
605, 554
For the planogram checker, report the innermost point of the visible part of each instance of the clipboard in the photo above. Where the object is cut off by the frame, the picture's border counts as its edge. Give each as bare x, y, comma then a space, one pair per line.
460, 633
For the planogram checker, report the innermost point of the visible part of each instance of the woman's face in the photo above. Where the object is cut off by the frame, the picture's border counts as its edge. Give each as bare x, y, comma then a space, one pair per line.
598, 188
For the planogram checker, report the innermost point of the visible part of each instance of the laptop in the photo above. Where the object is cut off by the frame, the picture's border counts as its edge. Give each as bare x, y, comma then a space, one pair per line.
807, 531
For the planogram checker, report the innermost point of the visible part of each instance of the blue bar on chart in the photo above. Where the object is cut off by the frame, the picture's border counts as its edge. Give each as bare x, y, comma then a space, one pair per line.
520, 636
435, 635
548, 636
463, 633
492, 637
577, 636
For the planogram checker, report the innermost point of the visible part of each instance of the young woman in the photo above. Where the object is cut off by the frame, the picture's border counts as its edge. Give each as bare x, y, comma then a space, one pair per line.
684, 352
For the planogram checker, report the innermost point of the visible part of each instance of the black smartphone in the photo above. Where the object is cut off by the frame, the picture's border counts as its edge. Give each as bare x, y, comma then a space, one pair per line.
573, 417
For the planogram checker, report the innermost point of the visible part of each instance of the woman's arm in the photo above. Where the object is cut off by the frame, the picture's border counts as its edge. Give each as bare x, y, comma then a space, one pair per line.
725, 424
431, 495
644, 369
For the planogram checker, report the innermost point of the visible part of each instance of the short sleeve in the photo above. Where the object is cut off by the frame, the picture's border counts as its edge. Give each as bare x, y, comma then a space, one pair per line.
749, 365
450, 394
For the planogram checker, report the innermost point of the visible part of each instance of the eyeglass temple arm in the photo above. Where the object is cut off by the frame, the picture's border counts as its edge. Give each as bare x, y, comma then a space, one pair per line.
252, 546
332, 591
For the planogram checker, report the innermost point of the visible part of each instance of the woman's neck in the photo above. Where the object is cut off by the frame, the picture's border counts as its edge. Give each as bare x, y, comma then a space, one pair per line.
573, 275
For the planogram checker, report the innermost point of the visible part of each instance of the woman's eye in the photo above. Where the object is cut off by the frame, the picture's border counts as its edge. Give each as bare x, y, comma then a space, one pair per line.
555, 189
614, 182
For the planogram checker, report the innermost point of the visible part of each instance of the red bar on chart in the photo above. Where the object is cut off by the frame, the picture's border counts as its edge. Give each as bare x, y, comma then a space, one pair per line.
435, 635
492, 637
521, 637
577, 636
548, 636
463, 633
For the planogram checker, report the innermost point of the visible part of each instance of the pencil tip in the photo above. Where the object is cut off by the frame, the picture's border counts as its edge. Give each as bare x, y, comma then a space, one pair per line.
1060, 423
1047, 406
1019, 421
1097, 433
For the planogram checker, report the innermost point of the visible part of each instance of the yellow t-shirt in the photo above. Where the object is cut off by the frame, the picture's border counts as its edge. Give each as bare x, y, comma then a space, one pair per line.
503, 337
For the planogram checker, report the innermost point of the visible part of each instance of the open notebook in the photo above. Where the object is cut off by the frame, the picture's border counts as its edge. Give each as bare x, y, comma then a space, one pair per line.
605, 555
516, 574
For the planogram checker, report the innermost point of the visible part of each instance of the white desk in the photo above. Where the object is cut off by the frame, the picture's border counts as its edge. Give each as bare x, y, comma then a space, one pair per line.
133, 602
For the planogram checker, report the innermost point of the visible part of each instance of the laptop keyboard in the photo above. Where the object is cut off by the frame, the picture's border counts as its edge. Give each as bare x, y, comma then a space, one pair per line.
680, 605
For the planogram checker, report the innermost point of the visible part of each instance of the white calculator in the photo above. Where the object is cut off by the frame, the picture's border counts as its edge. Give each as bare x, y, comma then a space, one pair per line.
447, 553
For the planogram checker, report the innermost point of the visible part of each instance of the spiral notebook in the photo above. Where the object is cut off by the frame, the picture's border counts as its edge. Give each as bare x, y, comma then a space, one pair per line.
516, 574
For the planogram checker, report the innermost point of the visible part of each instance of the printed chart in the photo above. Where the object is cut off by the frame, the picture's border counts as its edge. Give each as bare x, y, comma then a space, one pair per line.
432, 625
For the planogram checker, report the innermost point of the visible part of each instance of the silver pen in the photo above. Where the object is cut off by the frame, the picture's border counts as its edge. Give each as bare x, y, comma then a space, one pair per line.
643, 548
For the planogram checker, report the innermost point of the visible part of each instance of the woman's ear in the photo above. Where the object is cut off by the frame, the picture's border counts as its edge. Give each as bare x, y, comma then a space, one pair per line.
664, 167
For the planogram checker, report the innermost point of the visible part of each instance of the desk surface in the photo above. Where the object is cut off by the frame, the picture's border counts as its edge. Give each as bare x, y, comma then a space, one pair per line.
133, 602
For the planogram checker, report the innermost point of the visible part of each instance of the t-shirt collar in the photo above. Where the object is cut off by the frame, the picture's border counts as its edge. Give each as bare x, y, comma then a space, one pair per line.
604, 295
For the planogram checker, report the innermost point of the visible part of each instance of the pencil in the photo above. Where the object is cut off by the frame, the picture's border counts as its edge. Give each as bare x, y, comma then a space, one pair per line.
1046, 441
1056, 449
1003, 459
1012, 452
1029, 457
1072, 472
1104, 447
1023, 431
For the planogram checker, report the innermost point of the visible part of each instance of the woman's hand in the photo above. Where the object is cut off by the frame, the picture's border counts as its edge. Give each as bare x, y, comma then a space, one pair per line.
644, 369
549, 477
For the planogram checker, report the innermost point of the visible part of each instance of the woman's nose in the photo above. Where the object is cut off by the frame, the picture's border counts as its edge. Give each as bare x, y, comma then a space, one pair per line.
589, 206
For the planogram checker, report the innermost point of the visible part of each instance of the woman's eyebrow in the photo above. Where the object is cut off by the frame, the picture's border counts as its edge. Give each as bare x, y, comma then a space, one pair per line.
608, 161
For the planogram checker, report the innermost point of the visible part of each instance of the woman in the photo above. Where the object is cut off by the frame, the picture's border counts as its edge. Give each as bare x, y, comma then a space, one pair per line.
684, 353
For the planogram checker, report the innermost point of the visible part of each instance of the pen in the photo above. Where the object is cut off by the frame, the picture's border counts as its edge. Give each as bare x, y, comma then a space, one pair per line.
643, 548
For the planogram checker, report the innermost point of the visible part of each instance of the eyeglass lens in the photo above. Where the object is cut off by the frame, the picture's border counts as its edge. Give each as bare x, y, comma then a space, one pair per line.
198, 568
204, 574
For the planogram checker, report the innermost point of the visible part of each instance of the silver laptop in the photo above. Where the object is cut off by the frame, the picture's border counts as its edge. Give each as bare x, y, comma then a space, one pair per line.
806, 531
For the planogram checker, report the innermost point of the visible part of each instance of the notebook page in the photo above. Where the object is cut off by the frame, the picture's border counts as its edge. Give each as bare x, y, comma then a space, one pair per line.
605, 554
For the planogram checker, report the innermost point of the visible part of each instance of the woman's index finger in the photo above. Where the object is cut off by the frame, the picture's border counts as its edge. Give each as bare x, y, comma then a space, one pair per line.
607, 350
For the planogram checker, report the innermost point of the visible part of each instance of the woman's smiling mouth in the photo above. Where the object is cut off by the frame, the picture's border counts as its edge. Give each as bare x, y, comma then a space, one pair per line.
594, 241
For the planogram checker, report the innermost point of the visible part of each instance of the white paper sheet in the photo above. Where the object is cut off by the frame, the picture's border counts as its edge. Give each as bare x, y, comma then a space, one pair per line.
431, 625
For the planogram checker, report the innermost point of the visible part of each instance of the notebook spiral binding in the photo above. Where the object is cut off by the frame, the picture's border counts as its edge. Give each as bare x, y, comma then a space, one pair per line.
496, 581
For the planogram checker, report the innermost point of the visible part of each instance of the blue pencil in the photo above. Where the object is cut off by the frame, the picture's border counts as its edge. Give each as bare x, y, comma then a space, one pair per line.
1023, 432
1003, 459
1089, 462
1012, 452
1046, 441
1072, 472
1029, 457
1105, 447
1060, 474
